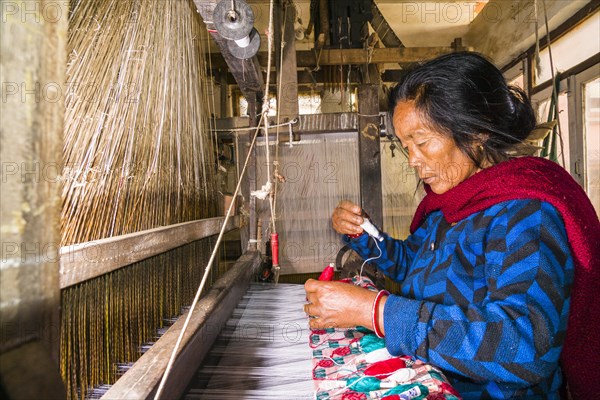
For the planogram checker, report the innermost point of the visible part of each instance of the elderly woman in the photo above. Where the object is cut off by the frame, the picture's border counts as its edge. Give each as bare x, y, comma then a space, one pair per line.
501, 248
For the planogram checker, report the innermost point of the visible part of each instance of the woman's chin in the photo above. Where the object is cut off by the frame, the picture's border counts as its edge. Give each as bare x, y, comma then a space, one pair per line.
439, 187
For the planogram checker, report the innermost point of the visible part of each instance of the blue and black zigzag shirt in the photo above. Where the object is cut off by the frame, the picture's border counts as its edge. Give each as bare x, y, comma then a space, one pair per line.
485, 299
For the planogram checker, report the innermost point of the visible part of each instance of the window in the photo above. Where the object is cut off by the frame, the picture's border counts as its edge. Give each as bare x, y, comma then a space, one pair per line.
309, 103
243, 106
519, 81
591, 127
571, 49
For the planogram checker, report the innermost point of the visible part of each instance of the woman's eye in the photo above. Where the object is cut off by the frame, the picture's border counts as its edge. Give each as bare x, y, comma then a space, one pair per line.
421, 143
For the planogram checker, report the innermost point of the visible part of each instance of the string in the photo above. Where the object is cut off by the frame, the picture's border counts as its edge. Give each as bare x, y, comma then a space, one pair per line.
266, 109
372, 258
554, 91
292, 122
279, 96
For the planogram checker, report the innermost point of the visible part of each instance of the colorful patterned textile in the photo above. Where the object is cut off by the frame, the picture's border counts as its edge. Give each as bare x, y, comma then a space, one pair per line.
353, 364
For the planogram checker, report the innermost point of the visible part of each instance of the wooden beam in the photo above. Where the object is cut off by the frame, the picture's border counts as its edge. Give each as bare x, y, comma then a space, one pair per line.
369, 153
288, 99
308, 124
141, 381
33, 51
249, 183
306, 80
247, 72
308, 58
384, 30
379, 56
84, 261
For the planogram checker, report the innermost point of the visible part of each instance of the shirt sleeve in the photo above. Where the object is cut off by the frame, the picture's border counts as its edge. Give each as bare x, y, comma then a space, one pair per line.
391, 256
516, 334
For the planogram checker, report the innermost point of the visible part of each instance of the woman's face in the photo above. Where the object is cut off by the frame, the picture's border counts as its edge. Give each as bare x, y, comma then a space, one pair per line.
435, 156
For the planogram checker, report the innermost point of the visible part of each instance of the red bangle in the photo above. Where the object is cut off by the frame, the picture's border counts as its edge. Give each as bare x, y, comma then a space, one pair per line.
375, 312
355, 235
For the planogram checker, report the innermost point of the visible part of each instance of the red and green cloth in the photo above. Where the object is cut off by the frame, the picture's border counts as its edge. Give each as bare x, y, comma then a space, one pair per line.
353, 364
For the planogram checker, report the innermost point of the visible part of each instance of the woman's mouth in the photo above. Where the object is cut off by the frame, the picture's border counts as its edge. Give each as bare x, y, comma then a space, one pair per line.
428, 179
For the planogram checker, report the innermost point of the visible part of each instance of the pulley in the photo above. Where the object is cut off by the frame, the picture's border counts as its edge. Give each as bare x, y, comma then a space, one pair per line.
234, 20
245, 48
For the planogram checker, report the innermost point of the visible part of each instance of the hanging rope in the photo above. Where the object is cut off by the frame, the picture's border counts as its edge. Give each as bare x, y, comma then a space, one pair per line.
206, 271
550, 142
263, 120
555, 89
276, 173
265, 111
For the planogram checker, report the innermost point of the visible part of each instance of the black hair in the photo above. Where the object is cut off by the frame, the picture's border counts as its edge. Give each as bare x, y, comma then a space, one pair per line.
464, 95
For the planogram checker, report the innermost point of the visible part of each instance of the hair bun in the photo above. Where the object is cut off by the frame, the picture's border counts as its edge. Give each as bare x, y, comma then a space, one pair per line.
523, 116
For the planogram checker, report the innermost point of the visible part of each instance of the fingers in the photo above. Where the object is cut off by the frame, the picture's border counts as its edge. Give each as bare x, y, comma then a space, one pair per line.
349, 206
346, 218
311, 286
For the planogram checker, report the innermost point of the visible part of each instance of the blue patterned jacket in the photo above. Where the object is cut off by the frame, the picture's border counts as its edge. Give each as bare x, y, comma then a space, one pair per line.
485, 299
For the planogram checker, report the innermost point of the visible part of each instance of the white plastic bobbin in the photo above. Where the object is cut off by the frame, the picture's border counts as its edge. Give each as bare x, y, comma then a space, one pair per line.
233, 23
248, 51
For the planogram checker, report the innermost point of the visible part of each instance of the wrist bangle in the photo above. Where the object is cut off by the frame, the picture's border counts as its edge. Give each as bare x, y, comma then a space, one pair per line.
375, 312
355, 235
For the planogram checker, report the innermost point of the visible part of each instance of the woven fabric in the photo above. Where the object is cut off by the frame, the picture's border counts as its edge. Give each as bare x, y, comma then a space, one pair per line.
340, 367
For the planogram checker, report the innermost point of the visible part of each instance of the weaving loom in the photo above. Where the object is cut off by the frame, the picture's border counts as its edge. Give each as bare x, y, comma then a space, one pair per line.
138, 219
262, 352
266, 351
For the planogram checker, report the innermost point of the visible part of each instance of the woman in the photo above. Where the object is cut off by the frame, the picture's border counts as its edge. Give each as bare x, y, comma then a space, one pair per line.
495, 248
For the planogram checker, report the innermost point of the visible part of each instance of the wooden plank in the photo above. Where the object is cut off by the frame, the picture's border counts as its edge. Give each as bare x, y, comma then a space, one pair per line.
28, 372
384, 30
369, 153
288, 99
379, 55
33, 51
247, 73
307, 124
84, 261
403, 55
306, 80
209, 316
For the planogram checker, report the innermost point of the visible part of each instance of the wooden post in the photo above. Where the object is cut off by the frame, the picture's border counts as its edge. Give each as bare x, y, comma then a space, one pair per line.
224, 94
33, 57
288, 98
369, 154
251, 176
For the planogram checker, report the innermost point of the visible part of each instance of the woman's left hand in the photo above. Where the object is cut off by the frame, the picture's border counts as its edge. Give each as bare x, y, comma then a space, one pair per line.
338, 305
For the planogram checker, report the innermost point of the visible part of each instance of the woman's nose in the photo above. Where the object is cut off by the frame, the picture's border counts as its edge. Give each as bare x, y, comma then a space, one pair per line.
414, 160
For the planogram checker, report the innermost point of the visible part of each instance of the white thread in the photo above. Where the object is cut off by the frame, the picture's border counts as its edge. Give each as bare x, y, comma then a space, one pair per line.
206, 271
292, 122
370, 259
371, 229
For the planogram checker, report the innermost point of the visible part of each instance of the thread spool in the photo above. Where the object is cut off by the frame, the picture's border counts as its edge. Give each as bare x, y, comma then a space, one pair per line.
233, 23
275, 249
252, 45
371, 229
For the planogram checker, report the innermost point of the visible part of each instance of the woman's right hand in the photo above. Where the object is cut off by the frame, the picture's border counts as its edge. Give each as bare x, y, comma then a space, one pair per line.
346, 218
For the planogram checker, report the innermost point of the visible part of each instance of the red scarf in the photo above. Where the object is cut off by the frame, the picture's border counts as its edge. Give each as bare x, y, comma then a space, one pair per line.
538, 178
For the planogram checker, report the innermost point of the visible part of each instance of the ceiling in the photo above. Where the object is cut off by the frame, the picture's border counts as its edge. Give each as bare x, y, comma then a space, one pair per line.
416, 23
500, 29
